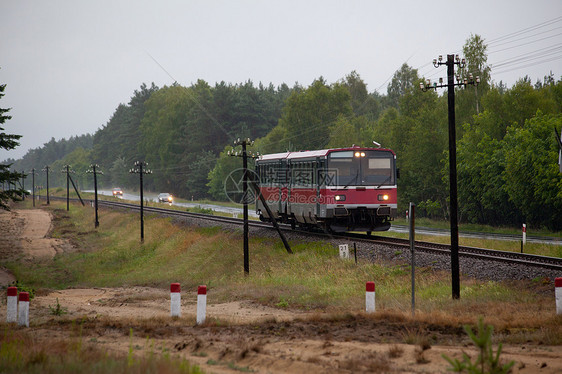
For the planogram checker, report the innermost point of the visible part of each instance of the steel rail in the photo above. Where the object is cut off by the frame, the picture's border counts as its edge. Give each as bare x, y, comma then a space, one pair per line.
547, 262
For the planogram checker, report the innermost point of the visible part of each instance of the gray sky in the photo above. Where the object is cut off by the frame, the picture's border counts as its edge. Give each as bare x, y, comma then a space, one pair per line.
68, 63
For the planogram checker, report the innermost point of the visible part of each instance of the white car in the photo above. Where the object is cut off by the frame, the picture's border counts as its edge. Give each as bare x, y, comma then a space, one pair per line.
165, 198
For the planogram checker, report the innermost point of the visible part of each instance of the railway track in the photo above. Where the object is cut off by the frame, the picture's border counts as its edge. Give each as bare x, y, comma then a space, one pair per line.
544, 262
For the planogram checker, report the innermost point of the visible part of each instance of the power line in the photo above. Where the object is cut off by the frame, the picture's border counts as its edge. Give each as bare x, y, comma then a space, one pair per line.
528, 65
529, 36
522, 31
531, 42
194, 99
554, 46
502, 40
526, 58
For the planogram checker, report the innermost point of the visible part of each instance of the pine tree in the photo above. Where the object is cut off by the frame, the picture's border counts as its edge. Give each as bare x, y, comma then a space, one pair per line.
8, 179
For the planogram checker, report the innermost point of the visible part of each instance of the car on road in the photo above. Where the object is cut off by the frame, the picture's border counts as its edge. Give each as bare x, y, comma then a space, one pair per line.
165, 198
117, 192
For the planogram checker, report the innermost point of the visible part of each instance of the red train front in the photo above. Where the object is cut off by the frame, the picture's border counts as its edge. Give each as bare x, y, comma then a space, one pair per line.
347, 189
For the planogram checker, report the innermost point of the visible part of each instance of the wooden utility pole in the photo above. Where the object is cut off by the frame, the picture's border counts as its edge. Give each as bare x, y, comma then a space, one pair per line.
93, 170
452, 60
139, 170
46, 170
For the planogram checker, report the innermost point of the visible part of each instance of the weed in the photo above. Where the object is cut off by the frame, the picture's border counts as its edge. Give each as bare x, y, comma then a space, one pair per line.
201, 210
420, 356
23, 288
58, 310
244, 369
283, 303
416, 336
21, 353
486, 362
395, 351
130, 358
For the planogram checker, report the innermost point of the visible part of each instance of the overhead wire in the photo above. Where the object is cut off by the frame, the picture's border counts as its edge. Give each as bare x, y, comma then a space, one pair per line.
517, 62
523, 60
500, 41
506, 39
522, 31
528, 57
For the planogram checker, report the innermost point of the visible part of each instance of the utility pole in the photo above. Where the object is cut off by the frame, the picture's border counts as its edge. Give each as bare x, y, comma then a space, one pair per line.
244, 143
46, 170
23, 185
139, 170
248, 178
452, 60
33, 187
67, 171
93, 170
559, 141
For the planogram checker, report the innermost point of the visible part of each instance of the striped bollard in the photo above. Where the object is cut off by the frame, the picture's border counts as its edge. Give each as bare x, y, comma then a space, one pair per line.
370, 297
558, 294
12, 305
175, 300
201, 304
23, 306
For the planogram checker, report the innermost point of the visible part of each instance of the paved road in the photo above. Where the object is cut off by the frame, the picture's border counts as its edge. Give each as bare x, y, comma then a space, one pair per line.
479, 235
154, 198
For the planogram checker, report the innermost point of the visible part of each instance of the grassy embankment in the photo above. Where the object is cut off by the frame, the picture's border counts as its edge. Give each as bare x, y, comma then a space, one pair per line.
313, 278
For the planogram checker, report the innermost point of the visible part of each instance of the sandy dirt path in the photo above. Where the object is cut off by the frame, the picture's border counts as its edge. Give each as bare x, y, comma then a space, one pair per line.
239, 335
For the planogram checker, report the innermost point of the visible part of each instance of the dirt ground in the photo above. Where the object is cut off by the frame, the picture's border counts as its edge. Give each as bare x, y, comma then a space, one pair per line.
238, 336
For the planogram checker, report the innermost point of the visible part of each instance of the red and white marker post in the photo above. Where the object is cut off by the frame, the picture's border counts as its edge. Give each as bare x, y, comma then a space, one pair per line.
524, 233
201, 304
558, 294
23, 318
175, 300
12, 305
370, 297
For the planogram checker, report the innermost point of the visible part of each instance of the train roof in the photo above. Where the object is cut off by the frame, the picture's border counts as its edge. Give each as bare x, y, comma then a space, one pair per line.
314, 154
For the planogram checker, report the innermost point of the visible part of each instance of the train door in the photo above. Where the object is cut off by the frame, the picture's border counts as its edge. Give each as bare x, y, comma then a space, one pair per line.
316, 182
282, 180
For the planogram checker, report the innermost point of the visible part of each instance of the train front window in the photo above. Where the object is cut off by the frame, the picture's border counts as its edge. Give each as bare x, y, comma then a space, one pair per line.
362, 168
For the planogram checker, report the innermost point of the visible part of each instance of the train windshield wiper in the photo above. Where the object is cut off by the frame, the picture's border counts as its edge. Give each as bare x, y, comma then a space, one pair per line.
353, 180
383, 182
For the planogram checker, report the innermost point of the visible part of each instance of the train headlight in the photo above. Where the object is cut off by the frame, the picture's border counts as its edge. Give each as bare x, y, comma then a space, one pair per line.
340, 197
359, 154
384, 197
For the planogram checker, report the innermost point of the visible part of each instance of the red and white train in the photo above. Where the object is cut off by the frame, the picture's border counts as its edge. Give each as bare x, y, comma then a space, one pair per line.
346, 189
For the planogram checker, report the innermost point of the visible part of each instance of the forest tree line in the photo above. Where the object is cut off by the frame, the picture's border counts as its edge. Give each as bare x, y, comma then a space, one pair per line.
507, 152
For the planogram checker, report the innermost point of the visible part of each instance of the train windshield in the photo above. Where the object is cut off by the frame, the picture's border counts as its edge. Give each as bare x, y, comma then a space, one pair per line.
360, 168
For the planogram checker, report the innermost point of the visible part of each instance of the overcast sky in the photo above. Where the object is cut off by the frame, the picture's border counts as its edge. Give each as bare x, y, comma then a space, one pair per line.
68, 63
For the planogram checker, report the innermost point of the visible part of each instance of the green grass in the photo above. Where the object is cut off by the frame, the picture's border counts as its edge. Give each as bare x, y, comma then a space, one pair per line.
551, 250
20, 352
313, 278
472, 227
